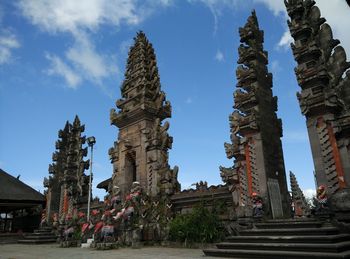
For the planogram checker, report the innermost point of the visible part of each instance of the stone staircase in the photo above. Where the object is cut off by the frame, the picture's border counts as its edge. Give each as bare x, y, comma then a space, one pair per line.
286, 239
43, 235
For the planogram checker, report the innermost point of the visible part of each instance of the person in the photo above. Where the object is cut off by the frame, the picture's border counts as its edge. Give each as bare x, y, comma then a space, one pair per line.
257, 205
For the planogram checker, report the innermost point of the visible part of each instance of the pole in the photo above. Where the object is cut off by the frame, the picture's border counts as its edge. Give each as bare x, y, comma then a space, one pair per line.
89, 196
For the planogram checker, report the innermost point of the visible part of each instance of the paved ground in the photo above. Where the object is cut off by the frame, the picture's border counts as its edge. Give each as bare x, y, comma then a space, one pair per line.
52, 251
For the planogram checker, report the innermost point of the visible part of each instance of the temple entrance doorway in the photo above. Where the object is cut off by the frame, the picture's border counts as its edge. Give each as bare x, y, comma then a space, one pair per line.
130, 169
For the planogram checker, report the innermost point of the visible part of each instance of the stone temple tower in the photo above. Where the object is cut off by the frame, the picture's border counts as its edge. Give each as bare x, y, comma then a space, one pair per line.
255, 131
323, 75
141, 151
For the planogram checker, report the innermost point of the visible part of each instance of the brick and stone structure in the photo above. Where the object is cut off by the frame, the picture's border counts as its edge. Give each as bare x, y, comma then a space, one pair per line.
67, 188
255, 132
56, 171
323, 75
141, 150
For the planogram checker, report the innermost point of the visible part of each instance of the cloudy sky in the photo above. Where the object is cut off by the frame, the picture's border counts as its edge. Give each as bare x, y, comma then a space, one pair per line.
59, 58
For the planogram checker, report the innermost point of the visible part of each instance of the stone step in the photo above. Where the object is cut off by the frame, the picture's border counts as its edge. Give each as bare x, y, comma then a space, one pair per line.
290, 231
290, 239
254, 254
42, 231
40, 234
297, 224
308, 247
37, 237
37, 241
292, 220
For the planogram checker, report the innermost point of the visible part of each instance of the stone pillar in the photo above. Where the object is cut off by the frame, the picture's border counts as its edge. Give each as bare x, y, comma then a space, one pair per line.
256, 130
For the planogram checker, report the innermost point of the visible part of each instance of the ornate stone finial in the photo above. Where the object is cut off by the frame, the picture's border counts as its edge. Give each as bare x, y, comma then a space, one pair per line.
140, 89
76, 122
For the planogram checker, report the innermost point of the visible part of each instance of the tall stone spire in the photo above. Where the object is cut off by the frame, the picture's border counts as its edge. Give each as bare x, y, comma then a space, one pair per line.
255, 129
75, 180
141, 94
323, 75
141, 151
301, 207
56, 171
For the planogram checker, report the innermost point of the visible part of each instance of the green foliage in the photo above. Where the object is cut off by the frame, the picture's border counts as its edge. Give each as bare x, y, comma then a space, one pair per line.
200, 226
77, 234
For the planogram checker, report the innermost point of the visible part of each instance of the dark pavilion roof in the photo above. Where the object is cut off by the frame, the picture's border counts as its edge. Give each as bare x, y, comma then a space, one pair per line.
104, 184
14, 190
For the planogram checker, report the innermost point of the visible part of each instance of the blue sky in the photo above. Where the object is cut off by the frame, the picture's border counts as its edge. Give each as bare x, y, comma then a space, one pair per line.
62, 58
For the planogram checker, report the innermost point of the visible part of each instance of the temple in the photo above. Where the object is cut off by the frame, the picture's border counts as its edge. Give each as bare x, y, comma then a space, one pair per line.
141, 151
323, 75
255, 131
67, 188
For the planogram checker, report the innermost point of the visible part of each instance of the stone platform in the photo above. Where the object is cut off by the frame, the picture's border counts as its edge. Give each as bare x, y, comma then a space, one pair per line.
286, 239
40, 236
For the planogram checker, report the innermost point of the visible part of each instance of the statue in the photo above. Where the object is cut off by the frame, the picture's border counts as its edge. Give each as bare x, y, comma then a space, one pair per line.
69, 228
96, 224
70, 236
116, 199
107, 231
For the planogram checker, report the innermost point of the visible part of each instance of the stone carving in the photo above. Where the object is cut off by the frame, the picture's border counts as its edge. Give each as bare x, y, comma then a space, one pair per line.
70, 228
230, 176
200, 186
324, 98
254, 126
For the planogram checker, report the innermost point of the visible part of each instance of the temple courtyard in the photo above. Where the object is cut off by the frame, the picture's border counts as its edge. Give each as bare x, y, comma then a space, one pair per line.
52, 251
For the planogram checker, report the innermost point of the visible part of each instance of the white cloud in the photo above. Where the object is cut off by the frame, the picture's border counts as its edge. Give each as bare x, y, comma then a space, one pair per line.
276, 6
8, 42
58, 67
309, 193
81, 19
72, 16
91, 64
216, 7
219, 56
285, 40
337, 12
